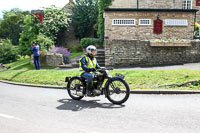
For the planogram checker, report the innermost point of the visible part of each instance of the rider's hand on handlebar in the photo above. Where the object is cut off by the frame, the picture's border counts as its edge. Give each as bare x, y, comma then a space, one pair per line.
93, 69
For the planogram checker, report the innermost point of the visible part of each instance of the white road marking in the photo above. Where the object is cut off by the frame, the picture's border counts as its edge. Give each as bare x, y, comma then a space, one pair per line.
9, 116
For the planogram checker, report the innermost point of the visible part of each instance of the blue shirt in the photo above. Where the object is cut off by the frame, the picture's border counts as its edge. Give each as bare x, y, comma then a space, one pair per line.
35, 50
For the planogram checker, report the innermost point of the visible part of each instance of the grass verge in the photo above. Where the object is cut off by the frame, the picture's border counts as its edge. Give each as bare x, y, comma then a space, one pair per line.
137, 79
74, 54
24, 63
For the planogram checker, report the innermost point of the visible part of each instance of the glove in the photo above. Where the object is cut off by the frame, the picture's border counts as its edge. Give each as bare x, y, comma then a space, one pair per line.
93, 69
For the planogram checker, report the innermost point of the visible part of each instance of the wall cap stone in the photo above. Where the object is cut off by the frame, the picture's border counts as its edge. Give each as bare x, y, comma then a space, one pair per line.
153, 10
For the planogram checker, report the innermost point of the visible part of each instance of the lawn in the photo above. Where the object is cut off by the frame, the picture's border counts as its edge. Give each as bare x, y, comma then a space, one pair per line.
24, 63
137, 79
74, 54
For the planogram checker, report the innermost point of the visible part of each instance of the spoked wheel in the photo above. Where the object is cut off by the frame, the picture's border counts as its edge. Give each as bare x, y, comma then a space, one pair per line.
118, 91
75, 88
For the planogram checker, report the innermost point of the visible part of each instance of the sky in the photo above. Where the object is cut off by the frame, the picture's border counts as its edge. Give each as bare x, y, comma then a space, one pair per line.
29, 4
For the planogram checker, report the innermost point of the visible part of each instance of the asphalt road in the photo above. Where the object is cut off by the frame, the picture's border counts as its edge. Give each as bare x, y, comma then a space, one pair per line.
39, 110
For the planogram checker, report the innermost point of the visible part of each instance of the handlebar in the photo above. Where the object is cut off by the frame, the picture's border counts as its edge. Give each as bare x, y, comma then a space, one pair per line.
104, 69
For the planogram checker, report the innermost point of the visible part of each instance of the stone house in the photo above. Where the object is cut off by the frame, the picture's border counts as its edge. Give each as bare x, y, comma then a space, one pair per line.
130, 25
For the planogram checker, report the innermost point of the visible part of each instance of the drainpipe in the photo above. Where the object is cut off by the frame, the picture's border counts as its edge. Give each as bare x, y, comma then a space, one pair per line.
137, 4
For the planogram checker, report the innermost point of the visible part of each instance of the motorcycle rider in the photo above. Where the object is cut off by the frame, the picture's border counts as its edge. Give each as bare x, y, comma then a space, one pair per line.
89, 64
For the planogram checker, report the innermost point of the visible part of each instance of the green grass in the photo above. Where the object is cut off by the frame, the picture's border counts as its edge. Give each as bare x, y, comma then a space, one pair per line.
74, 54
24, 63
137, 79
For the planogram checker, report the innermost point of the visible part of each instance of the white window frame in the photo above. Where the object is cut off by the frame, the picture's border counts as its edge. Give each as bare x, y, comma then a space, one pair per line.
176, 22
123, 22
187, 4
144, 20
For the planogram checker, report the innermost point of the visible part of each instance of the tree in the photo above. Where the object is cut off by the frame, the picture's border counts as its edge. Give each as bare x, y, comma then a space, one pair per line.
85, 14
10, 26
8, 52
30, 32
55, 20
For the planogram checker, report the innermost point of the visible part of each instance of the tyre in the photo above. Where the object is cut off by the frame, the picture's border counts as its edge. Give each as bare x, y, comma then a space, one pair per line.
118, 91
75, 88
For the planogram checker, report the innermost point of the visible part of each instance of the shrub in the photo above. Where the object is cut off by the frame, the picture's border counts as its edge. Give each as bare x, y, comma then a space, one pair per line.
64, 51
89, 41
75, 48
8, 52
45, 42
55, 21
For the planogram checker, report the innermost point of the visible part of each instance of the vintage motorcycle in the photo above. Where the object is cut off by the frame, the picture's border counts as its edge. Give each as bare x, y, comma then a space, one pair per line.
116, 89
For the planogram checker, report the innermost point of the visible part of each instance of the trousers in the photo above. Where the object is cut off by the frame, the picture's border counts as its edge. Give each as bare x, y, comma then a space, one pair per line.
37, 62
88, 76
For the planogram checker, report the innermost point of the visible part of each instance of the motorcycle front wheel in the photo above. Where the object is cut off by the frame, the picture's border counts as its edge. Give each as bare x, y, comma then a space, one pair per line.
74, 87
118, 91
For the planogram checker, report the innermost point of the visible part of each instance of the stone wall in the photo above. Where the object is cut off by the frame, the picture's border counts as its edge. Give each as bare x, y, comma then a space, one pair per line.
141, 32
50, 59
156, 4
140, 53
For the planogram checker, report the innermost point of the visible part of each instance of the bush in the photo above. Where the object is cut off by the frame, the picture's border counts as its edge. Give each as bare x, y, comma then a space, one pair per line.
75, 48
89, 41
64, 51
8, 52
45, 42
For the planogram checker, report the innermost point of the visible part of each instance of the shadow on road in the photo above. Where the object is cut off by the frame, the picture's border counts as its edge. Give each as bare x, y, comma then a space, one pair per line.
75, 105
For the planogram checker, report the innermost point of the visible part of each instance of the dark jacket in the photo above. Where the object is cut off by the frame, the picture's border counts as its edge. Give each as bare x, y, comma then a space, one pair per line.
84, 64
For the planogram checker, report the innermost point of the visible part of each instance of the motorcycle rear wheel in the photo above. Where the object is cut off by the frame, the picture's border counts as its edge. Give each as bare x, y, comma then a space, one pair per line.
118, 91
73, 85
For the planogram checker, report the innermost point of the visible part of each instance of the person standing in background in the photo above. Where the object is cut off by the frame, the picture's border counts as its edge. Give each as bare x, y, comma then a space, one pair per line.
35, 49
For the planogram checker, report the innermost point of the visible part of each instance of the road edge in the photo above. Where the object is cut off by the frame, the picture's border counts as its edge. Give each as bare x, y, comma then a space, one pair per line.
131, 91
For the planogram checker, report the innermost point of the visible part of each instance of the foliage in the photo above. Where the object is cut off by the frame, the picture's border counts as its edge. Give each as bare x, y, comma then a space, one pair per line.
44, 42
89, 41
55, 20
196, 30
30, 31
64, 51
171, 39
75, 54
60, 50
8, 52
85, 14
10, 26
103, 4
75, 48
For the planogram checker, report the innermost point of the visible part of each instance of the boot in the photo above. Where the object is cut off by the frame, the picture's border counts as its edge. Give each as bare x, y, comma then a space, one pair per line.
89, 89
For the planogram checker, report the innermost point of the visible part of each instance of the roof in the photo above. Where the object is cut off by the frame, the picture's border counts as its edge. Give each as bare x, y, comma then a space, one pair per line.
152, 10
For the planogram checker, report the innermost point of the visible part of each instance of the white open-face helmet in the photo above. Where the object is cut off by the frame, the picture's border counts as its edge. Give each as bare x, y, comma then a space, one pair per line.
90, 48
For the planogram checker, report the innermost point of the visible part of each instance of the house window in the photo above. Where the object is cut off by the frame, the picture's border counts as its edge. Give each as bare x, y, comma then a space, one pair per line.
123, 21
187, 4
176, 22
144, 21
